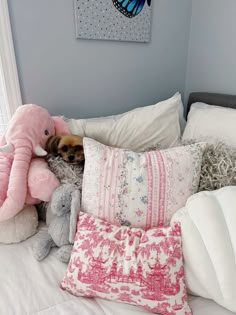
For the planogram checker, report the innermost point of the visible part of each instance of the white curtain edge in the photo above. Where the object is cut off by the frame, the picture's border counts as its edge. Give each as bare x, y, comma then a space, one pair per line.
8, 65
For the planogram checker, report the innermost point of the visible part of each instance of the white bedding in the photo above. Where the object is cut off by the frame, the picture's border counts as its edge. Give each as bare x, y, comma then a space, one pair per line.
31, 287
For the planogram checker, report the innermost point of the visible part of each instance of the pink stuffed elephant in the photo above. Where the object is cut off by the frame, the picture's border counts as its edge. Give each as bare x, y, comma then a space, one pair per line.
23, 179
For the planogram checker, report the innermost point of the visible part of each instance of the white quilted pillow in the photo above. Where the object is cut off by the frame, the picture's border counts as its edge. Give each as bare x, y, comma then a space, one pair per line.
208, 223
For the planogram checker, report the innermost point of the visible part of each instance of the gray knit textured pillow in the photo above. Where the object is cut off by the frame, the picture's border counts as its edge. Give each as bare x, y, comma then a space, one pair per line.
66, 173
218, 167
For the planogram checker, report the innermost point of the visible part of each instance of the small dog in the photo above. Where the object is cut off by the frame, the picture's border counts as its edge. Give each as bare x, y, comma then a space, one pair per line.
69, 147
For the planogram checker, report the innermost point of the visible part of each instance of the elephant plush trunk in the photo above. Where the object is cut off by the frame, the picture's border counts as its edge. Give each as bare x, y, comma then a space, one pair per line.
17, 186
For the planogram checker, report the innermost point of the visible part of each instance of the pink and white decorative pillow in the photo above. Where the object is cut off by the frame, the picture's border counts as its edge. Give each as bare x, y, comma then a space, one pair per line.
128, 265
138, 189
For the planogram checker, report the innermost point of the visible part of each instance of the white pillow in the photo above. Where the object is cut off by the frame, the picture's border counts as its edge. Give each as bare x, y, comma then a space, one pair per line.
138, 130
208, 225
211, 123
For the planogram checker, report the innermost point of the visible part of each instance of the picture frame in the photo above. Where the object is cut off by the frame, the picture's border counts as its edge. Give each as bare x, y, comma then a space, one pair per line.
119, 20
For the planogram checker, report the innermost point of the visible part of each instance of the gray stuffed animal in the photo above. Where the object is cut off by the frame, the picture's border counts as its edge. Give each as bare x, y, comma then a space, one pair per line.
61, 218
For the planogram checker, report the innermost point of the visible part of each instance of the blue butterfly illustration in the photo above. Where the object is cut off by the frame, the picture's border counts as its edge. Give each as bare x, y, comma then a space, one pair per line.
130, 8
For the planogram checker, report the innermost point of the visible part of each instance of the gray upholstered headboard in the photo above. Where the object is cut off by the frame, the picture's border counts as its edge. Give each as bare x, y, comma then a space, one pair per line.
224, 100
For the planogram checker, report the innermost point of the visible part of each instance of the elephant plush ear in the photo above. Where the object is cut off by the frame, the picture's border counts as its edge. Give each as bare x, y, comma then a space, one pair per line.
60, 125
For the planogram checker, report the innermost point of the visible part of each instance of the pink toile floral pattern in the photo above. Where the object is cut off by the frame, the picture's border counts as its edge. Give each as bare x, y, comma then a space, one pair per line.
139, 189
128, 265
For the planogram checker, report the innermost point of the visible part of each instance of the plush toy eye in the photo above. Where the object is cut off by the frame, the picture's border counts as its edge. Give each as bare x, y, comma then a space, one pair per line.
64, 148
46, 132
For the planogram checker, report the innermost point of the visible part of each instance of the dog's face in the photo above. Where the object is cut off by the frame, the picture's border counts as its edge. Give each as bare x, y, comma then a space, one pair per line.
69, 147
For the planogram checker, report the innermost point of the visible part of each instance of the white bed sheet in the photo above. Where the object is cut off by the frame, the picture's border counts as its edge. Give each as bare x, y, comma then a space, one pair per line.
29, 287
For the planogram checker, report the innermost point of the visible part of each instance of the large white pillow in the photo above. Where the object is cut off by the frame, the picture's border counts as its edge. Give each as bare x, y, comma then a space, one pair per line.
139, 129
211, 123
208, 224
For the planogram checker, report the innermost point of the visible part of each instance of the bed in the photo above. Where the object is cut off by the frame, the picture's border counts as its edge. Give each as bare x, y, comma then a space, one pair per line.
32, 287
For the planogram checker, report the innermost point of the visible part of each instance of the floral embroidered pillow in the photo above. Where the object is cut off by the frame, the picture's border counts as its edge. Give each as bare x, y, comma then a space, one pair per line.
139, 189
128, 265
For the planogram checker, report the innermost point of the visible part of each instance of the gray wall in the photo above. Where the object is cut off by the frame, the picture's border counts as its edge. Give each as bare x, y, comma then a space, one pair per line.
212, 47
82, 78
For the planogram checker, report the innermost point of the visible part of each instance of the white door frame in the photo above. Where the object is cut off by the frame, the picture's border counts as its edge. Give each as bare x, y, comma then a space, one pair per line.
8, 68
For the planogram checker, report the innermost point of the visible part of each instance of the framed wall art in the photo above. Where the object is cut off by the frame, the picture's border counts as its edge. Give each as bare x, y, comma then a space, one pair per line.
122, 20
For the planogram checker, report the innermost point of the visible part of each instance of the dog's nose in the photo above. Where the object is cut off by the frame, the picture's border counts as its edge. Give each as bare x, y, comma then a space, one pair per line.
71, 157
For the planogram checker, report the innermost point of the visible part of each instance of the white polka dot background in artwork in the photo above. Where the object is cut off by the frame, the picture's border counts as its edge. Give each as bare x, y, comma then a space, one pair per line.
100, 19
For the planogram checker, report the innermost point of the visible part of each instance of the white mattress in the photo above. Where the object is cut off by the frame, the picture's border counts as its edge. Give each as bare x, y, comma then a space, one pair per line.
31, 287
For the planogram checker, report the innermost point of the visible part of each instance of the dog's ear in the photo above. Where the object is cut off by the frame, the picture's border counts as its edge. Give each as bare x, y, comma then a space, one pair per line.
52, 144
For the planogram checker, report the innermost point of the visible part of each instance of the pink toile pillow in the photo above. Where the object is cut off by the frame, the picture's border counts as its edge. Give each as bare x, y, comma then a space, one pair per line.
128, 265
139, 189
